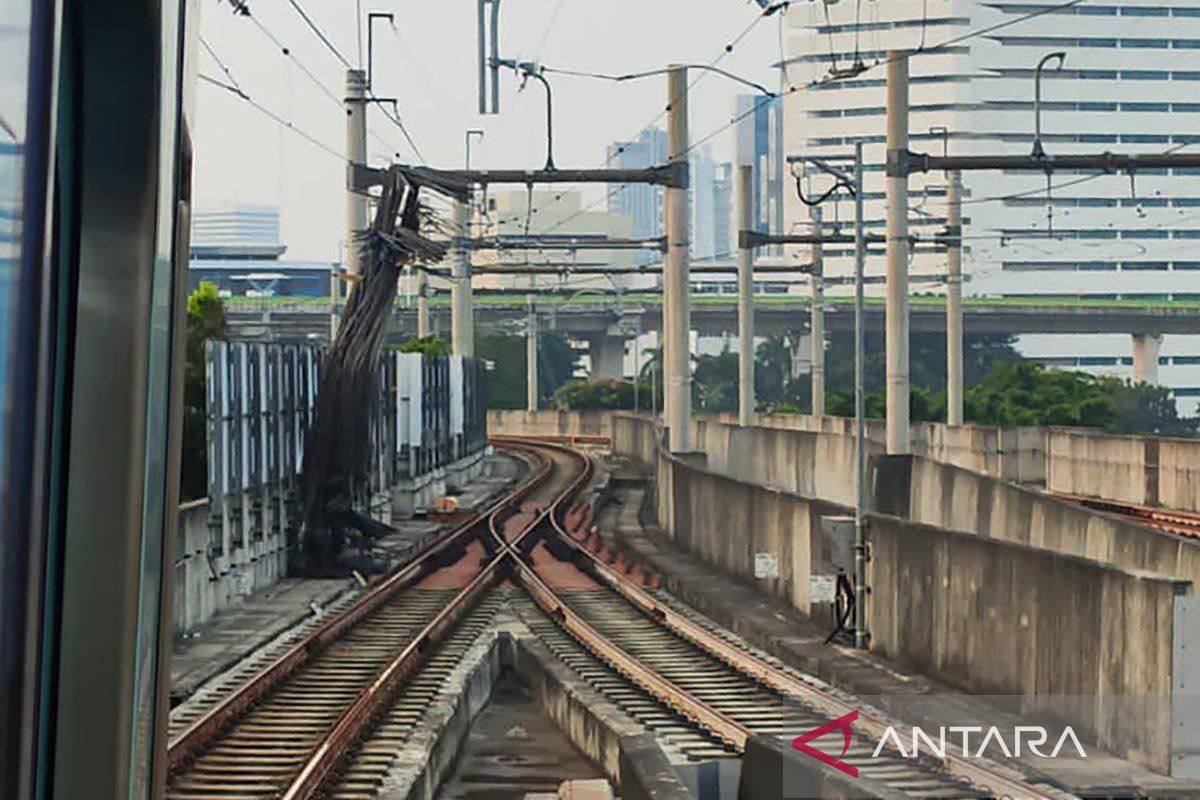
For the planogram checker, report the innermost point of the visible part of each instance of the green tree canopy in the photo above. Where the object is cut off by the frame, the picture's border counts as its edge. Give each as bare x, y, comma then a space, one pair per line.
557, 362
205, 320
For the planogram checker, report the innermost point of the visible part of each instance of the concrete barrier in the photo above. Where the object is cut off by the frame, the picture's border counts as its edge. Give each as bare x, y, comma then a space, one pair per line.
959, 499
1132, 469
206, 583
1012, 610
819, 466
550, 423
772, 770
1001, 618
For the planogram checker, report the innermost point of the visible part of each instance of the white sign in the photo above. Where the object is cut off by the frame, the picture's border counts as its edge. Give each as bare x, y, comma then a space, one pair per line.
821, 588
766, 565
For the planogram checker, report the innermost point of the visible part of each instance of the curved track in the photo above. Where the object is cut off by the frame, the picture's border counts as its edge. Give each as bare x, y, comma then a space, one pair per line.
284, 733
325, 717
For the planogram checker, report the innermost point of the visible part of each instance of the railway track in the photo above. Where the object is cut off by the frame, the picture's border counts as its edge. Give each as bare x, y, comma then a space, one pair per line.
285, 732
327, 717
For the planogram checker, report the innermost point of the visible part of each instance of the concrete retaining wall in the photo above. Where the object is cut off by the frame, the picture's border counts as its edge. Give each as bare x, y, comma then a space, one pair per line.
1131, 469
550, 423
1014, 454
990, 613
820, 466
1000, 618
206, 582
958, 499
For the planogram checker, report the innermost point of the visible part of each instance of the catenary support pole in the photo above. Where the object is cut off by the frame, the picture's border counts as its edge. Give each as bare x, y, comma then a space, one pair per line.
357, 204
860, 434
676, 289
531, 355
954, 299
817, 319
897, 253
745, 284
461, 328
422, 304
1146, 347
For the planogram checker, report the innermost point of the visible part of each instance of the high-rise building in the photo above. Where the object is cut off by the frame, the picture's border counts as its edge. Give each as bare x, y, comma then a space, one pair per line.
758, 145
1127, 84
240, 232
722, 221
641, 203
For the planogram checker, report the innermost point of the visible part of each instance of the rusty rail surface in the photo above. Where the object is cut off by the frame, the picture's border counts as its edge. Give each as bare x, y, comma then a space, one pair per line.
201, 732
325, 757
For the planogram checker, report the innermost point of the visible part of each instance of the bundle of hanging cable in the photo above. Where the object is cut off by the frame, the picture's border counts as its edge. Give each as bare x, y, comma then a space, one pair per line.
338, 450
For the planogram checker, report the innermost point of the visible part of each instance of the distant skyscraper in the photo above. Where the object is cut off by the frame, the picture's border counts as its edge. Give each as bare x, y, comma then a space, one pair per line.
723, 211
758, 146
641, 203
241, 232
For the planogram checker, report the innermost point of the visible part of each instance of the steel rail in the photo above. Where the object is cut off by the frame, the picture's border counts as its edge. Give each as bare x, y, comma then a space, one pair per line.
200, 733
328, 753
676, 698
979, 775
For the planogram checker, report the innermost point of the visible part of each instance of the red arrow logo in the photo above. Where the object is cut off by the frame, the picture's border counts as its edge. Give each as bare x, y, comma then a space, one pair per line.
843, 724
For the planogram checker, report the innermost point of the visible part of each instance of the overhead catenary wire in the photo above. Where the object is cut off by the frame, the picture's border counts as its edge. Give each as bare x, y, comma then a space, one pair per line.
726, 49
329, 45
286, 123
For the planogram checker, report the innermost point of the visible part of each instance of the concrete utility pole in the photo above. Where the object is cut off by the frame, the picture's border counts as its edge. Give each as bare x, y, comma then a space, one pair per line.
1146, 347
531, 355
817, 318
357, 204
897, 253
745, 282
677, 301
422, 304
954, 308
462, 340
861, 635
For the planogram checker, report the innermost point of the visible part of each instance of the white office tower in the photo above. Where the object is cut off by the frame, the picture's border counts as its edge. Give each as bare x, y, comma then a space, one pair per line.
1129, 82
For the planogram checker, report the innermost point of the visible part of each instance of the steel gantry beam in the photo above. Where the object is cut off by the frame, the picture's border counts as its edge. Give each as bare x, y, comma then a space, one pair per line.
458, 183
561, 241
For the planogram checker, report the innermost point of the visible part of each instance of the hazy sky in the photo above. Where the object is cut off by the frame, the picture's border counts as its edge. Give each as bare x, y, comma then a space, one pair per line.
429, 64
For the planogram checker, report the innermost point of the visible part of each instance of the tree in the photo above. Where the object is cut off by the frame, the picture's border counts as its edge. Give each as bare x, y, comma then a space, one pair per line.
427, 345
557, 362
1150, 410
715, 383
600, 395
205, 320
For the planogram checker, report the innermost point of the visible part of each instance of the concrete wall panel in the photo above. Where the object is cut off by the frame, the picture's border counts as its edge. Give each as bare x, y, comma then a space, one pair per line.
1000, 618
550, 423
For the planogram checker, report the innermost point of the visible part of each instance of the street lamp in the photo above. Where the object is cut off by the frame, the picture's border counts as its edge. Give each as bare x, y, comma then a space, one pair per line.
470, 133
1038, 150
371, 17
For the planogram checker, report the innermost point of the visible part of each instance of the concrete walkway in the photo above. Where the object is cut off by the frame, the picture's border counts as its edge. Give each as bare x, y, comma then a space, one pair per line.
779, 630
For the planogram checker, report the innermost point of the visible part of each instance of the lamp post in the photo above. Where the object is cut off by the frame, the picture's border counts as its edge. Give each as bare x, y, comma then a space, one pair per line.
1038, 150
371, 18
470, 133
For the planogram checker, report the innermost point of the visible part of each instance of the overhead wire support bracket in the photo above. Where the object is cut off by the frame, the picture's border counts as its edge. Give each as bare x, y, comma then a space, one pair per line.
458, 183
561, 241
907, 163
753, 239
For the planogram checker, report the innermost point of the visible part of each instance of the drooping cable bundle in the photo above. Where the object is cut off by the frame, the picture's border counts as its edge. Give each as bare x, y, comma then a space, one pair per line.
338, 450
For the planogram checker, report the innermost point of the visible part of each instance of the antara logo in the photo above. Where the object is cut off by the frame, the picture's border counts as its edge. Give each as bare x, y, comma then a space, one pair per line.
1032, 736
841, 723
